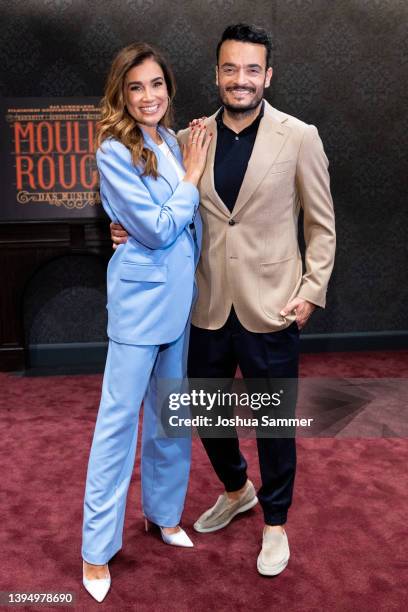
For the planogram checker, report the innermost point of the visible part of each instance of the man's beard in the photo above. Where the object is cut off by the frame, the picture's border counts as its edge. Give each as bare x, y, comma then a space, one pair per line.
243, 110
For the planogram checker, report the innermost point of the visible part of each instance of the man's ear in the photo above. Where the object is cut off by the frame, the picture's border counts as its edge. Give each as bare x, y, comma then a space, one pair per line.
268, 77
216, 75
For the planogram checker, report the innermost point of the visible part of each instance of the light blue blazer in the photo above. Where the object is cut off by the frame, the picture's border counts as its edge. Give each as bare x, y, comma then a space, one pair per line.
150, 279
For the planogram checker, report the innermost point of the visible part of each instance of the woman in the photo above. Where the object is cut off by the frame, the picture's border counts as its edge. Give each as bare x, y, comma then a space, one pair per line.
150, 279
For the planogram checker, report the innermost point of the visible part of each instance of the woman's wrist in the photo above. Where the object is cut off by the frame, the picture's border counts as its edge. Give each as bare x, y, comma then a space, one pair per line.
192, 177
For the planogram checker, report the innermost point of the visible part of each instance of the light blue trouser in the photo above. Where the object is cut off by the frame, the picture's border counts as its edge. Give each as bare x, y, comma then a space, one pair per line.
131, 375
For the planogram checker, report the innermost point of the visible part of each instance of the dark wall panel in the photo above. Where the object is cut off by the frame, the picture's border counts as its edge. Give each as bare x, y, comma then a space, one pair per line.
62, 299
341, 65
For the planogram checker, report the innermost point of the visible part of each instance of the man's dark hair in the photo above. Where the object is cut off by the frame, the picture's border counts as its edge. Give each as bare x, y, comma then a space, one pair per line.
250, 34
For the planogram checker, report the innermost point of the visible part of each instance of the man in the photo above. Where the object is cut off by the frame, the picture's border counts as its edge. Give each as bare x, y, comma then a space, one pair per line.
253, 296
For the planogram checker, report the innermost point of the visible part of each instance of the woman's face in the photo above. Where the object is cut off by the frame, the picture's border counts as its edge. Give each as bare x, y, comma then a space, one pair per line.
146, 94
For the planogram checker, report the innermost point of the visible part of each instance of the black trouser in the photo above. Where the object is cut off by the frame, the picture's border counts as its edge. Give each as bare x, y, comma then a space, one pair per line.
216, 354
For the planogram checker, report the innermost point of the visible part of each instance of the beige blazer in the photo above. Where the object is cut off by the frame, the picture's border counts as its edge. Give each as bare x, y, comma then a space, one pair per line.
250, 258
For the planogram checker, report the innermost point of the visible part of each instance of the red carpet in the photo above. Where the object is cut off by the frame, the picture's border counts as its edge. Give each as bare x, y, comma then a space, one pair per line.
347, 527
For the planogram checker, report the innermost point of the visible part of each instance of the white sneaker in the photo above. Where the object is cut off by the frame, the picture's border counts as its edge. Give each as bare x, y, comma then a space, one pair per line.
97, 587
275, 553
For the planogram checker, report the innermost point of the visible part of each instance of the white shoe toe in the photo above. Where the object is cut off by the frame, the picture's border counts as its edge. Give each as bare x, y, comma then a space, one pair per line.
180, 538
97, 587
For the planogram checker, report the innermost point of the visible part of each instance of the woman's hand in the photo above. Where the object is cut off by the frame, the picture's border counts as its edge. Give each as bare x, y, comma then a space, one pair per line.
118, 234
196, 121
195, 151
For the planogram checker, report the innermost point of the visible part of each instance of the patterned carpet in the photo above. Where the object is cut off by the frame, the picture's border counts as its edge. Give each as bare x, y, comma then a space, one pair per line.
347, 527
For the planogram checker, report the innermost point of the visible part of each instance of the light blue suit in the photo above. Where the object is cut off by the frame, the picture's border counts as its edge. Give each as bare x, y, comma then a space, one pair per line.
150, 285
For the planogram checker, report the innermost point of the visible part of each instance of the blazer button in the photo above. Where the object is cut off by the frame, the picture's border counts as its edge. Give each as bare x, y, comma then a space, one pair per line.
231, 222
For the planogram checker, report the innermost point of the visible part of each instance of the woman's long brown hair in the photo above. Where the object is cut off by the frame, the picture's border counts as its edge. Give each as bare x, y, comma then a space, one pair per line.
115, 119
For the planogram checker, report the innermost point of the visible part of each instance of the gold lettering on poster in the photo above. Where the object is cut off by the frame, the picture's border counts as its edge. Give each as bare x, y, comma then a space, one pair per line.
54, 159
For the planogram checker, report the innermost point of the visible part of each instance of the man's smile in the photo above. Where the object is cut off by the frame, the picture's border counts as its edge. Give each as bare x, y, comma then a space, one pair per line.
240, 90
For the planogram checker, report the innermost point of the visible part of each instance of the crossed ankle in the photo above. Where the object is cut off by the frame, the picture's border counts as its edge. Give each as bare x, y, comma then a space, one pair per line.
234, 495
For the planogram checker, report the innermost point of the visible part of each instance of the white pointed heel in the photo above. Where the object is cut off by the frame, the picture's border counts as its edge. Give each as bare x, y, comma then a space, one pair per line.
180, 538
97, 587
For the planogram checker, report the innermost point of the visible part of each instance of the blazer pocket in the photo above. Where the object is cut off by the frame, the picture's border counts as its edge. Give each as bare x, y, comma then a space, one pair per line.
279, 282
147, 273
283, 166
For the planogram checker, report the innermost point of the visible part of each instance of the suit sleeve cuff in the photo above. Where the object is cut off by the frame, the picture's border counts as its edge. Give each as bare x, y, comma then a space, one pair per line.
190, 191
318, 299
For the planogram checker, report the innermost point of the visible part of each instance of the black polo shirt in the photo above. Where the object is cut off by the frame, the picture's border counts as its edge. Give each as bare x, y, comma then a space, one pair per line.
232, 156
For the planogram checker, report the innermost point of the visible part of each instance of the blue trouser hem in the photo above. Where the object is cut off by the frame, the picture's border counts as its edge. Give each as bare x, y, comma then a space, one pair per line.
99, 559
162, 521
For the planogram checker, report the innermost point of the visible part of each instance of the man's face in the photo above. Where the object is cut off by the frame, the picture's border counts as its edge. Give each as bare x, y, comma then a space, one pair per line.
242, 75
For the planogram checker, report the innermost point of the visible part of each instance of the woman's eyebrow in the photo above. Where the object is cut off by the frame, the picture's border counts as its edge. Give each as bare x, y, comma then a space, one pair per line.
158, 78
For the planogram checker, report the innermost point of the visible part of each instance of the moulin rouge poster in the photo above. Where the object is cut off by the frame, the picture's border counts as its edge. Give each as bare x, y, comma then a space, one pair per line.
48, 163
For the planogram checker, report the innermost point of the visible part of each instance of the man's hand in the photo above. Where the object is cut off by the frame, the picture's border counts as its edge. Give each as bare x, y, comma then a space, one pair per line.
118, 234
302, 308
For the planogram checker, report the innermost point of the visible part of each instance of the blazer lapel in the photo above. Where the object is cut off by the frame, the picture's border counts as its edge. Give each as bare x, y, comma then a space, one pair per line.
271, 136
207, 180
